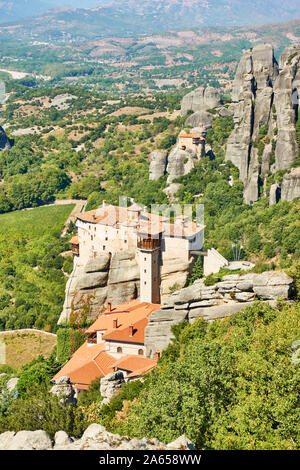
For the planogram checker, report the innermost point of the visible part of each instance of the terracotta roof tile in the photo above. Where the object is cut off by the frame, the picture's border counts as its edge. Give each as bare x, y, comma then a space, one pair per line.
191, 136
74, 240
124, 332
132, 363
125, 314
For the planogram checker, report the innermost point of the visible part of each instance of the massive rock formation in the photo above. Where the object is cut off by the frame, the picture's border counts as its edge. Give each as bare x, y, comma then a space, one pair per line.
220, 300
182, 160
201, 119
113, 279
4, 141
95, 437
158, 164
200, 99
265, 112
100, 280
290, 187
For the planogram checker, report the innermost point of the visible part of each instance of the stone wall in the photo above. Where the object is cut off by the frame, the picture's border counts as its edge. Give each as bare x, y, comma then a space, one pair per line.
234, 293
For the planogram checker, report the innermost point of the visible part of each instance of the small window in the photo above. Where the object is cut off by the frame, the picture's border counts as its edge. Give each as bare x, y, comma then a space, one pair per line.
106, 239
125, 241
145, 270
145, 282
119, 350
103, 248
140, 352
145, 259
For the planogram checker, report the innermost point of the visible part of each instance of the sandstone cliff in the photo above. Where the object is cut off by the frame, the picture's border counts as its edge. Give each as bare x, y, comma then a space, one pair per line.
97, 281
265, 114
100, 280
290, 187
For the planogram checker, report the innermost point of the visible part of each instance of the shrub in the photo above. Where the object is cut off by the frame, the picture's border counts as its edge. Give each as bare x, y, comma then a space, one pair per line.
211, 280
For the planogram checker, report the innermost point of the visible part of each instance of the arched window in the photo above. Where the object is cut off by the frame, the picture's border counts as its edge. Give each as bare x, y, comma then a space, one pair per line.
119, 350
141, 352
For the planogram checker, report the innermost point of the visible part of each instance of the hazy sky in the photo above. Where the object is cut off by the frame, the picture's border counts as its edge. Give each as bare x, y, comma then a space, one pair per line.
77, 3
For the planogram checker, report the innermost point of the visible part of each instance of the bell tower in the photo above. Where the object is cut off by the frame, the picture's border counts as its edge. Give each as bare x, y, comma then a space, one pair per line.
149, 249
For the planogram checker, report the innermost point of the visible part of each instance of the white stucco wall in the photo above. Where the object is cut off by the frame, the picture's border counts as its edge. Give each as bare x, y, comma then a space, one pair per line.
127, 348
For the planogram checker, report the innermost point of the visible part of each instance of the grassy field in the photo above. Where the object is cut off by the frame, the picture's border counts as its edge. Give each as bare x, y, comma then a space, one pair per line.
31, 279
21, 348
32, 223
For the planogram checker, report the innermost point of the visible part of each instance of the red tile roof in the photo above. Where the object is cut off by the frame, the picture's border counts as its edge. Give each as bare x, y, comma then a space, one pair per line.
145, 223
87, 363
134, 364
191, 136
92, 361
133, 313
123, 333
74, 240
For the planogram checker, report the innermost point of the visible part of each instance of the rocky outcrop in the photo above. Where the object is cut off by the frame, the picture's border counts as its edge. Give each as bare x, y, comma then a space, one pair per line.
94, 438
234, 293
182, 160
290, 187
274, 195
109, 386
158, 164
171, 190
64, 390
25, 440
201, 119
4, 141
265, 113
200, 99
12, 384
174, 272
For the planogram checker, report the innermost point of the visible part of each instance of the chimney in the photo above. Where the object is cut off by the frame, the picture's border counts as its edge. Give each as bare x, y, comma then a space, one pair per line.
115, 323
104, 203
157, 355
109, 307
130, 330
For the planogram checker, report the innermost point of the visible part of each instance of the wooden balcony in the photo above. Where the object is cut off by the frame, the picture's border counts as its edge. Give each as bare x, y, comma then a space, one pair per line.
148, 243
75, 249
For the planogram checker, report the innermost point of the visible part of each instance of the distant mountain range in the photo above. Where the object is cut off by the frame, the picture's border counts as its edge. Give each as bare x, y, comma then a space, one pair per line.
130, 17
15, 10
